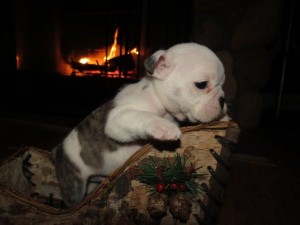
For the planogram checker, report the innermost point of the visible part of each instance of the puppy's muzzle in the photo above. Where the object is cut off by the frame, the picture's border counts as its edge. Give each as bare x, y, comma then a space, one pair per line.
222, 101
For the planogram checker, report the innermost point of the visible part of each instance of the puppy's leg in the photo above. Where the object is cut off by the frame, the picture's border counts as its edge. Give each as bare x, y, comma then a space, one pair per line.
128, 125
72, 185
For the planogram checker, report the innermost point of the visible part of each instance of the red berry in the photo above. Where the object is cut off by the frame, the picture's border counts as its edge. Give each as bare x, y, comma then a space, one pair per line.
182, 187
173, 186
160, 187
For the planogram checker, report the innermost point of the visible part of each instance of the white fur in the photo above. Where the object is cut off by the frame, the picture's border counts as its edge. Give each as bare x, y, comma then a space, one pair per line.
139, 113
114, 159
146, 108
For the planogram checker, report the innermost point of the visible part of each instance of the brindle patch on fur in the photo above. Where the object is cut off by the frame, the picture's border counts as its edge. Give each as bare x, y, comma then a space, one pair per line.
150, 64
91, 136
68, 177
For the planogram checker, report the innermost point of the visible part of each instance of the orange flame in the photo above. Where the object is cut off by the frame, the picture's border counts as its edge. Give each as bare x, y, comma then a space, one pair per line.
84, 60
112, 53
113, 49
134, 51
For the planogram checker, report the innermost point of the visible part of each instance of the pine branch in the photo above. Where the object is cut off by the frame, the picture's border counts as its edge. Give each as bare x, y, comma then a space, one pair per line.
172, 178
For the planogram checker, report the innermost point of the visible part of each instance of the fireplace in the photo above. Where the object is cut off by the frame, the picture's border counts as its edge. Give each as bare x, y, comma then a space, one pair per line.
98, 38
51, 36
114, 59
107, 39
104, 39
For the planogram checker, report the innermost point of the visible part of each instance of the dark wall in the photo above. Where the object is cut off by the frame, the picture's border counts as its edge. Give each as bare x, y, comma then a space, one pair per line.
168, 23
7, 45
42, 30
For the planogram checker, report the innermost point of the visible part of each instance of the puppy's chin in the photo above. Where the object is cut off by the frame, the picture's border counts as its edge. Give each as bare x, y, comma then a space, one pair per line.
203, 119
211, 111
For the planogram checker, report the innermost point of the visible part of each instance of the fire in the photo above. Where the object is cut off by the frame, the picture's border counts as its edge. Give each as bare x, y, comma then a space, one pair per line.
116, 63
113, 49
134, 51
84, 60
112, 53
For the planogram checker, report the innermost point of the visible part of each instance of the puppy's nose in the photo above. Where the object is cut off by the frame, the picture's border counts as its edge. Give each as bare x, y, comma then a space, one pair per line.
222, 101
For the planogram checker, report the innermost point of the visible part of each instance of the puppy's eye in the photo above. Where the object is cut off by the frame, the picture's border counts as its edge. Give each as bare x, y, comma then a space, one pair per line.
201, 85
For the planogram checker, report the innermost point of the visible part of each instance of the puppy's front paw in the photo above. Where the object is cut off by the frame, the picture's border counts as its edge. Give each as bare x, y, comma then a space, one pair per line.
163, 130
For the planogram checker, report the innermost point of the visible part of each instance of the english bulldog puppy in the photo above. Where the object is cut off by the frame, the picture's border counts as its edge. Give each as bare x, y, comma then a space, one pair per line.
182, 83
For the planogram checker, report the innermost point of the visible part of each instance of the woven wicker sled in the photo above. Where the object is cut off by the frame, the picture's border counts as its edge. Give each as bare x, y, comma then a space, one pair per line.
29, 193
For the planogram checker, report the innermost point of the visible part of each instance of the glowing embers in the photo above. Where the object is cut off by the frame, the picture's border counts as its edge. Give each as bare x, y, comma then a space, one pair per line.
114, 62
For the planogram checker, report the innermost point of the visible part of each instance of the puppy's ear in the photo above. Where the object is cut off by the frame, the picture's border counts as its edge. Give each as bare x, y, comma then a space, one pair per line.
150, 62
158, 65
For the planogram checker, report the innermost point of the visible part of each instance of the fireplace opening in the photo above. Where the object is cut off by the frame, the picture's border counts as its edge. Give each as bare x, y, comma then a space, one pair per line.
113, 60
105, 39
97, 38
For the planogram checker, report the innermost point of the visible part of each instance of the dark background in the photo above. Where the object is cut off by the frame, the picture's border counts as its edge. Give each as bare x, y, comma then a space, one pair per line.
39, 104
43, 33
59, 27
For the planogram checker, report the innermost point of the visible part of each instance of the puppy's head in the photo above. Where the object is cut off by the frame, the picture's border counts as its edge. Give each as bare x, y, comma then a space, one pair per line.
189, 78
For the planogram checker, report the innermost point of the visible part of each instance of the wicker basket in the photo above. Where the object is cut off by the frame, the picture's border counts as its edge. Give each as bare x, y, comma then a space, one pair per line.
29, 193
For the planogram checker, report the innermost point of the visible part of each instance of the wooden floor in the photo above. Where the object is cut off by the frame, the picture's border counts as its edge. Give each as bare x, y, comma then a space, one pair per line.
261, 193
264, 184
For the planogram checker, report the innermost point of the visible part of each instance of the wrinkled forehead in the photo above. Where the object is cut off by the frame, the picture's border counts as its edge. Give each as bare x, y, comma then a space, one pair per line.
201, 68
